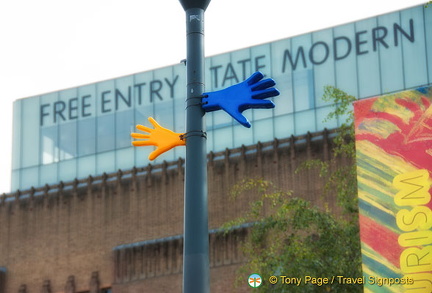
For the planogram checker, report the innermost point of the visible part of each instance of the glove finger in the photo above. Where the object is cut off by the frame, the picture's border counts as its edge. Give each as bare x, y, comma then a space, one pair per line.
239, 117
263, 84
160, 150
154, 154
261, 104
139, 135
254, 78
143, 143
153, 122
244, 121
144, 128
267, 93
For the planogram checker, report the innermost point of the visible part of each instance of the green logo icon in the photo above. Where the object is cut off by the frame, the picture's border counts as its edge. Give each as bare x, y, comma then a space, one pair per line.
254, 280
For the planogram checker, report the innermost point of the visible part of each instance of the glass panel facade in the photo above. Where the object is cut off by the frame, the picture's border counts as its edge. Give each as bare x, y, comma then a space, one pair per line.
30, 176
105, 121
86, 130
323, 69
86, 137
30, 140
284, 126
369, 71
16, 141
48, 174
393, 72
410, 34
428, 32
345, 60
86, 166
67, 169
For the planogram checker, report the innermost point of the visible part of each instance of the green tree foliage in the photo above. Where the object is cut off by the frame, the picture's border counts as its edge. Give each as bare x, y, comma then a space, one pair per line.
291, 237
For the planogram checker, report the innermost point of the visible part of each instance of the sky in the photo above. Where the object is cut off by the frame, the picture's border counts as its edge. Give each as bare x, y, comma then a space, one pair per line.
50, 45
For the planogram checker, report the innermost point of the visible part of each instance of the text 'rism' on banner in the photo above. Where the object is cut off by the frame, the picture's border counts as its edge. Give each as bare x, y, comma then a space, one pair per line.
394, 172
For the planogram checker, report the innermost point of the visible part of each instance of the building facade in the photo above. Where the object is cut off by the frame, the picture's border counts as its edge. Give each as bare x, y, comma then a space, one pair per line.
85, 130
123, 231
91, 214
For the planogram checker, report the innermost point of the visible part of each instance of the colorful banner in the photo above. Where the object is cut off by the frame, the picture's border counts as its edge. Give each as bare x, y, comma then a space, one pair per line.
394, 172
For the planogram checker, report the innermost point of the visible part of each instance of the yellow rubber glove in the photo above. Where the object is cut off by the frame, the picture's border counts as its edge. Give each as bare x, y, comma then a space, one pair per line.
164, 139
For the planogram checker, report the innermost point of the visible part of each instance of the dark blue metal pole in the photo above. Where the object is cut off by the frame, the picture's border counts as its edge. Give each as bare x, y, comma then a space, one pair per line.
196, 271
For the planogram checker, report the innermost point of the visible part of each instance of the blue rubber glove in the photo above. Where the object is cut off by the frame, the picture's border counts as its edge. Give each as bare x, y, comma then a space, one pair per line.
249, 94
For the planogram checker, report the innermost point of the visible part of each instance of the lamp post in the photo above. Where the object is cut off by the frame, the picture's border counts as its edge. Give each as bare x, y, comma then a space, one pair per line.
196, 271
249, 94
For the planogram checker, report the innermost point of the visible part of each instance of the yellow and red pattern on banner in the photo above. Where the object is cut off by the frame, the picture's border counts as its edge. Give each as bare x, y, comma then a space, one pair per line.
394, 171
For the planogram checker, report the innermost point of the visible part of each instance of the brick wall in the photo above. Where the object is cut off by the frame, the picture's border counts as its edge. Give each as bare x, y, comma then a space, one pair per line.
2, 280
53, 233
